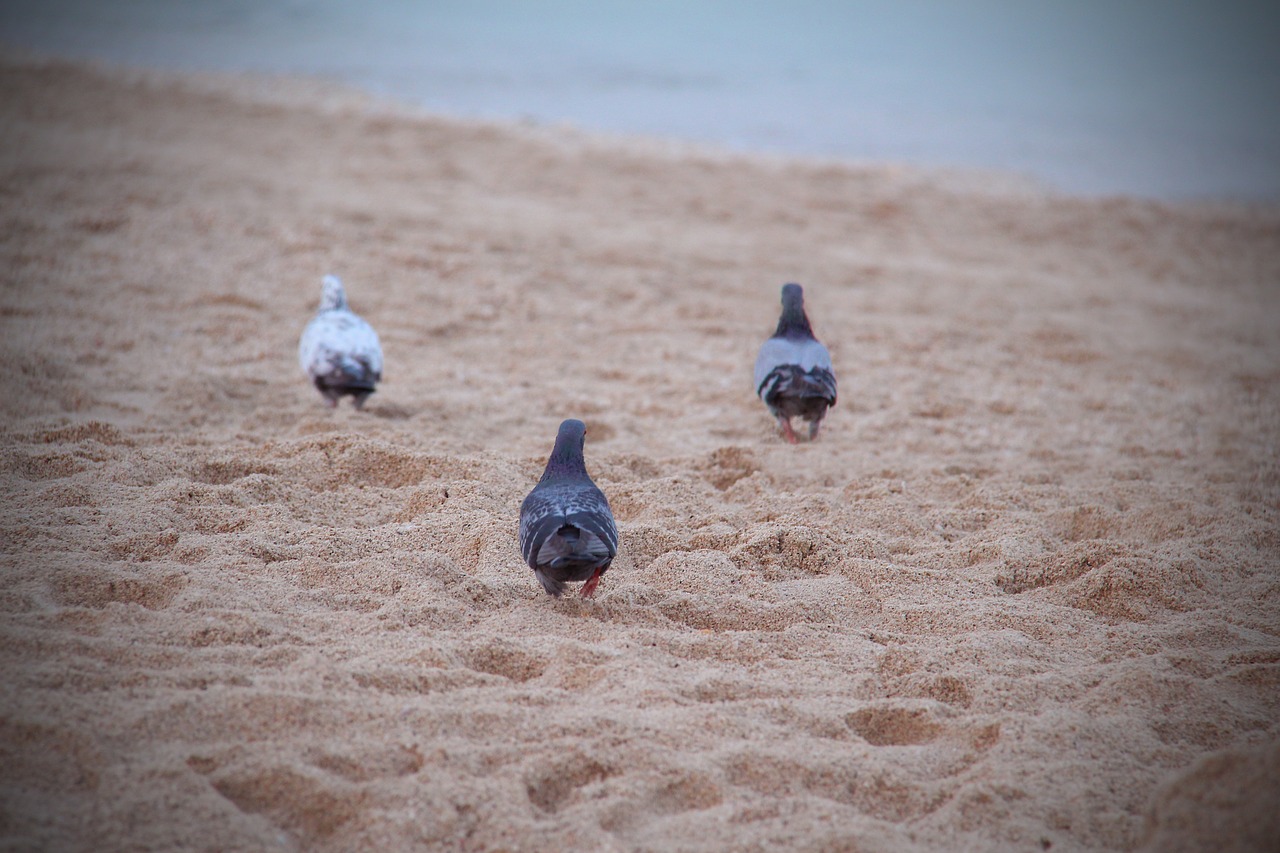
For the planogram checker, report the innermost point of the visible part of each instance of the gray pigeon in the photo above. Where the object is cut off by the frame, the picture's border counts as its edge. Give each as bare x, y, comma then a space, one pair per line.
566, 529
793, 370
339, 350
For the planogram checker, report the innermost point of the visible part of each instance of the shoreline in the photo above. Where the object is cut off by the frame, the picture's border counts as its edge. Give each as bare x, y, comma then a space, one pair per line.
339, 97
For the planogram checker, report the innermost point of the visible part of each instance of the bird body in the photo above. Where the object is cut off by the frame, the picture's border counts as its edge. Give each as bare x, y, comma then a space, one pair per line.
567, 531
793, 373
339, 350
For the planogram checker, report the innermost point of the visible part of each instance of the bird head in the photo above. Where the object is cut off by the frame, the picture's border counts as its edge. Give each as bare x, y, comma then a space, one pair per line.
332, 295
793, 322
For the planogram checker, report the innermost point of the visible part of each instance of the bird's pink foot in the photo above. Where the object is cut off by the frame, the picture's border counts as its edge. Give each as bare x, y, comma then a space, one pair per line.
589, 588
787, 432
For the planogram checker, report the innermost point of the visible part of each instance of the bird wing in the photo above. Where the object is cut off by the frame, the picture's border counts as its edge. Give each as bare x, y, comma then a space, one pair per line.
808, 355
342, 342
546, 510
599, 521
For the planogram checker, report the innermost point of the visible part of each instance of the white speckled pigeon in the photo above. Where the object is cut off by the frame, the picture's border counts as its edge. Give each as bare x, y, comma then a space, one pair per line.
567, 532
339, 350
793, 370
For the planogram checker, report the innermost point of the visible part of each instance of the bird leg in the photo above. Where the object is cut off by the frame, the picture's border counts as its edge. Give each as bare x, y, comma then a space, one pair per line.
787, 431
330, 396
813, 428
589, 588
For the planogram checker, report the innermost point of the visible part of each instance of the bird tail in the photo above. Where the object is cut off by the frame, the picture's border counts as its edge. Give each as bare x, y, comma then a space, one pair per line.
790, 380
352, 373
553, 587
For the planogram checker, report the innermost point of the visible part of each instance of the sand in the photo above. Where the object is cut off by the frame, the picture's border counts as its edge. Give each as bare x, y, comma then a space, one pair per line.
1022, 593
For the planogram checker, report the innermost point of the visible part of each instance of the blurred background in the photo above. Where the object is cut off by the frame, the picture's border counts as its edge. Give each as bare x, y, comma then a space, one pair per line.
1167, 99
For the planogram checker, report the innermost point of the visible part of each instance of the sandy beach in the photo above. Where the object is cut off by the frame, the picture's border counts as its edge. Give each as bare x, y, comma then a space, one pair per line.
1021, 594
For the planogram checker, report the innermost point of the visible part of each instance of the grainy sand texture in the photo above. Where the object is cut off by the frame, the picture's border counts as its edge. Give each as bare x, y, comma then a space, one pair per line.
1021, 594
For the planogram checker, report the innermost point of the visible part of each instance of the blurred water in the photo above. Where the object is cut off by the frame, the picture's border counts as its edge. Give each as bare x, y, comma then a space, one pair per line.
1166, 99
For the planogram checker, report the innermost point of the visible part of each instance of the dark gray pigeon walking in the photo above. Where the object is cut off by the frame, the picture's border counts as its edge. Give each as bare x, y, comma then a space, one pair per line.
567, 532
339, 350
793, 370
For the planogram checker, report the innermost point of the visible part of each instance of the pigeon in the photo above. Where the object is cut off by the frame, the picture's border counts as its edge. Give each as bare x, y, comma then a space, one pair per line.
793, 370
339, 350
567, 532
